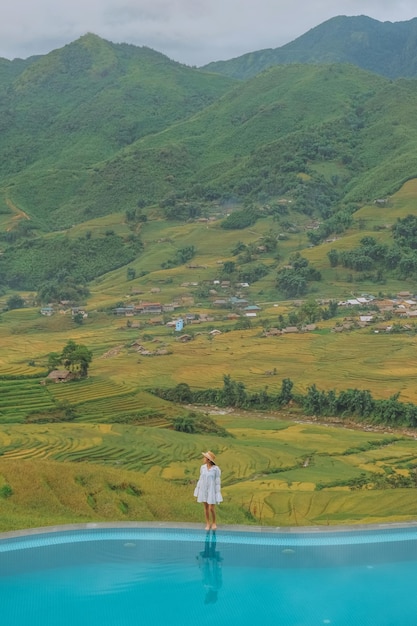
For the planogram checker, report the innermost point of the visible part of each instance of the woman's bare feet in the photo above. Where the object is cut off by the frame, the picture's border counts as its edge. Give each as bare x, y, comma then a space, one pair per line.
214, 527
207, 526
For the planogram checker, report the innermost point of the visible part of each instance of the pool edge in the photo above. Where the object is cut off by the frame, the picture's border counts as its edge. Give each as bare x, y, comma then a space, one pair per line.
235, 528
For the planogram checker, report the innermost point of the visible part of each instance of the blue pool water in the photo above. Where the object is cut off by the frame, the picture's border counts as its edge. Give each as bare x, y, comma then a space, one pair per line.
152, 575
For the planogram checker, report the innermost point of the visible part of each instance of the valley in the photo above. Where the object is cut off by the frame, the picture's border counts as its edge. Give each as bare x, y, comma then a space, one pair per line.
186, 228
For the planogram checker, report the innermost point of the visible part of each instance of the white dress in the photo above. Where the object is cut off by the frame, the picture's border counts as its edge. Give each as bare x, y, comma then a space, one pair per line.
208, 485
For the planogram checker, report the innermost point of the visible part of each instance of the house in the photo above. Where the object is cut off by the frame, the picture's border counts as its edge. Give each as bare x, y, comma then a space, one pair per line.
151, 307
252, 308
238, 302
185, 338
309, 328
272, 332
60, 376
47, 310
124, 310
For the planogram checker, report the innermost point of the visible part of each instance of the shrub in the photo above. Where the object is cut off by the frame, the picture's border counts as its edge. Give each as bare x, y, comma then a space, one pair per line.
6, 491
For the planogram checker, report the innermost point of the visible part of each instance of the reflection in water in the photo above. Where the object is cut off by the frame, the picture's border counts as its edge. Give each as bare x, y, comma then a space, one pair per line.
210, 563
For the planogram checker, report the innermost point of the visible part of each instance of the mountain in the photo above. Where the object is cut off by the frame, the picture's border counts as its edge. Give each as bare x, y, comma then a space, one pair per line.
96, 129
63, 112
290, 130
386, 48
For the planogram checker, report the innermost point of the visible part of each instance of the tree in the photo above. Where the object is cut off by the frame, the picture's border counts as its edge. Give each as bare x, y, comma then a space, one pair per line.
78, 318
243, 323
54, 360
310, 312
291, 283
238, 248
333, 257
15, 302
130, 273
229, 267
286, 391
76, 356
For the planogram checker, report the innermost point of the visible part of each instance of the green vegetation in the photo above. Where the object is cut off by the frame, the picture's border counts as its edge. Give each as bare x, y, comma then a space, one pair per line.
182, 194
274, 471
351, 403
56, 266
382, 47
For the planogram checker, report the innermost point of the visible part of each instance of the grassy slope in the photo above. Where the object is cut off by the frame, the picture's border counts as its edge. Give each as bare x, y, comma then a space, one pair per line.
73, 473
367, 362
152, 458
214, 148
81, 104
251, 134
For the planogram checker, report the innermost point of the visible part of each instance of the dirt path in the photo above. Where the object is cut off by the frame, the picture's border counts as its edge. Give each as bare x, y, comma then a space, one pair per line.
18, 213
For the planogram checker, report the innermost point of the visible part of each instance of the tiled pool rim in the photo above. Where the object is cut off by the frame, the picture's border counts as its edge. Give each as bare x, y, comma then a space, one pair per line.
282, 535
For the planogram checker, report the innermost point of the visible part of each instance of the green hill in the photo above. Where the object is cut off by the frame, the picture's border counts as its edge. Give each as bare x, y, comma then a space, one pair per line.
385, 48
322, 139
78, 105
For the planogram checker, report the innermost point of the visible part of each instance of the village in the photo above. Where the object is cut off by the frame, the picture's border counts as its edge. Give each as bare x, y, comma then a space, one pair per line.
382, 314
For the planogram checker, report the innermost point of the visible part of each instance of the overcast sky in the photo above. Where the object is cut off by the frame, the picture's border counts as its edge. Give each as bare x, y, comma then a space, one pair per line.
194, 32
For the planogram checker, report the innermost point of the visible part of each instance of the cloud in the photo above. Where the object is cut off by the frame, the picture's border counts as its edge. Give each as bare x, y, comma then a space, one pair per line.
190, 31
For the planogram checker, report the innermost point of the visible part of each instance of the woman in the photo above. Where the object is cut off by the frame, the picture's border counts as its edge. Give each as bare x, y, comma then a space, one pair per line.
207, 490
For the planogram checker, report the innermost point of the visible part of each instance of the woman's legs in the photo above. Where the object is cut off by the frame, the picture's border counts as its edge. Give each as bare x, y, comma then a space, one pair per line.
207, 515
210, 510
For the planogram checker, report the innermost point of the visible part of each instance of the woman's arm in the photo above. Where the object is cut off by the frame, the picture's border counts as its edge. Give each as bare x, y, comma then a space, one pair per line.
198, 482
218, 484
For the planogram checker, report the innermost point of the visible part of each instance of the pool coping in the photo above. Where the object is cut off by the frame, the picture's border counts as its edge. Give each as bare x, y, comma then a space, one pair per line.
271, 530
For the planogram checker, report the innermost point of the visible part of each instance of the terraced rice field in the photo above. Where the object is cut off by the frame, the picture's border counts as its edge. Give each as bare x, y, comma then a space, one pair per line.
274, 471
20, 397
94, 400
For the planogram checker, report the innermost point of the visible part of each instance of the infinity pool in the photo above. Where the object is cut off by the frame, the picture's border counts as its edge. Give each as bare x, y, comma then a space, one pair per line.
136, 575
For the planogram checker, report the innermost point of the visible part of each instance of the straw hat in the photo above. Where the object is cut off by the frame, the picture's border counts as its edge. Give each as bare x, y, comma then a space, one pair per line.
210, 456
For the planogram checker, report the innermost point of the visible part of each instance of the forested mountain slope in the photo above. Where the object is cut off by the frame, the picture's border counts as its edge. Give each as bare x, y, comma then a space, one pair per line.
96, 129
65, 111
386, 48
